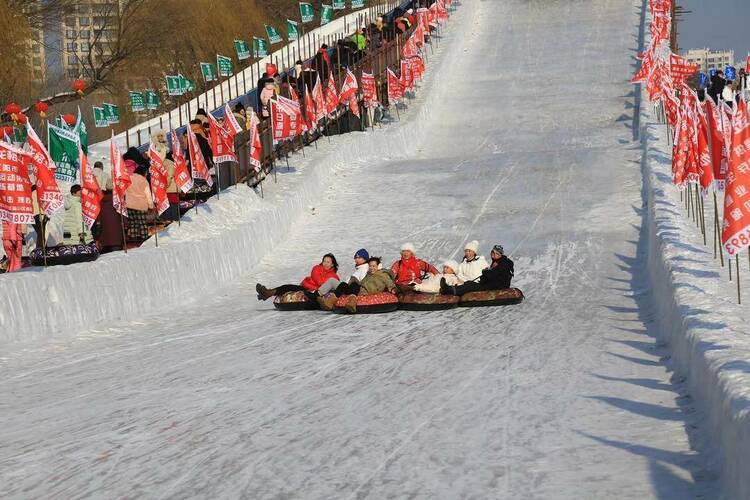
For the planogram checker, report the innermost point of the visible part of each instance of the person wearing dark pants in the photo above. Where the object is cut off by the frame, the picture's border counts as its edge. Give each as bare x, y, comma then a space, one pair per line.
497, 277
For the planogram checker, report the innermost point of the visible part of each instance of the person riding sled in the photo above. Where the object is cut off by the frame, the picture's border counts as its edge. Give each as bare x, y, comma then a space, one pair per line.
376, 281
409, 269
496, 277
432, 283
329, 291
318, 276
472, 265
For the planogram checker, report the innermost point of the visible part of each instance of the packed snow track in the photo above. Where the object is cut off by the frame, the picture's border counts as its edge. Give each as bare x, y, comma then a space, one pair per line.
567, 395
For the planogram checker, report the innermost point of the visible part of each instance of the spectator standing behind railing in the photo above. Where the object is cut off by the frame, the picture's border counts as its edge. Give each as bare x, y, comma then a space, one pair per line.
74, 230
359, 39
139, 201
717, 86
323, 63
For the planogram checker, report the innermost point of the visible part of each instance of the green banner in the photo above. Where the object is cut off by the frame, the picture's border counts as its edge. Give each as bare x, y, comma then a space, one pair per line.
339, 4
224, 64
152, 100
326, 14
260, 47
111, 113
185, 84
358, 4
63, 148
291, 30
243, 51
173, 85
306, 12
20, 134
100, 121
82, 131
273, 35
208, 72
136, 102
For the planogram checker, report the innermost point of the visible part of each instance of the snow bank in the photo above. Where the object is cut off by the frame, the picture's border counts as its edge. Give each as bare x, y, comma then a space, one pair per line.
223, 240
698, 313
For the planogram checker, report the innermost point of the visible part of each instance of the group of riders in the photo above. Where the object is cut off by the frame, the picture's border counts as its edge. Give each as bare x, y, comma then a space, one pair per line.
409, 274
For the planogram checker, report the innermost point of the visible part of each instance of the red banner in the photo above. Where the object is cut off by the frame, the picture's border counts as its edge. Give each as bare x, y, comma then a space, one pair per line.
417, 67
47, 192
120, 178
256, 148
681, 69
331, 96
222, 145
320, 100
705, 165
369, 90
15, 186
231, 125
197, 162
310, 118
419, 35
410, 48
349, 89
407, 77
91, 193
735, 234
395, 91
159, 180
181, 173
286, 121
719, 155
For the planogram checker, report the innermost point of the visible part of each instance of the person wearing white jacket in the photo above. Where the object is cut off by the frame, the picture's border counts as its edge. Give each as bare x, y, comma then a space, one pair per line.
333, 288
432, 283
470, 269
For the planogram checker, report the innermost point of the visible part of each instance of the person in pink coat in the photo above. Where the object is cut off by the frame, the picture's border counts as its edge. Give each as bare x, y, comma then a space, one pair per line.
13, 245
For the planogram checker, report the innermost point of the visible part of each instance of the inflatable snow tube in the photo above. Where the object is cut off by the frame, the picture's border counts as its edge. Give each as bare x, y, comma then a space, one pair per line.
427, 302
294, 301
64, 255
505, 297
375, 303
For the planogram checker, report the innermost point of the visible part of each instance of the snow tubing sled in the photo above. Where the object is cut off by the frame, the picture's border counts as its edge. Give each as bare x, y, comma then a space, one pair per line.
427, 302
382, 302
505, 297
64, 255
294, 301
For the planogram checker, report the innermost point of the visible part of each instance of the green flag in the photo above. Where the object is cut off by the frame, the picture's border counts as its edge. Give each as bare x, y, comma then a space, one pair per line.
111, 113
63, 148
326, 14
83, 133
243, 51
208, 72
173, 85
339, 4
273, 35
224, 64
100, 120
20, 134
152, 100
185, 84
358, 4
260, 47
306, 12
136, 102
291, 30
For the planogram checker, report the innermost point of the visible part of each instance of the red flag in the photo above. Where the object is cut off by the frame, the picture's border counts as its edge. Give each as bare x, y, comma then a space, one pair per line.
331, 97
423, 18
705, 166
410, 48
735, 234
349, 89
294, 110
15, 186
718, 151
369, 90
120, 178
440, 10
419, 34
222, 145
256, 148
407, 78
417, 67
91, 193
231, 125
681, 69
47, 192
159, 180
293, 94
310, 118
283, 120
395, 91
197, 161
181, 173
320, 101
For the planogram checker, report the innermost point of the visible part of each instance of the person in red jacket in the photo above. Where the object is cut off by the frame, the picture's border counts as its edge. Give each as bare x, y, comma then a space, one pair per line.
320, 274
409, 269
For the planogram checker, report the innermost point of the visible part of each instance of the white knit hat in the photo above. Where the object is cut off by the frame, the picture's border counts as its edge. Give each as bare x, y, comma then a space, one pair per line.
452, 264
409, 247
473, 245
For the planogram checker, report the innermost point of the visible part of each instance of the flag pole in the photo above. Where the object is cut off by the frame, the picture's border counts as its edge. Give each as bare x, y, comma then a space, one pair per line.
122, 225
737, 261
717, 228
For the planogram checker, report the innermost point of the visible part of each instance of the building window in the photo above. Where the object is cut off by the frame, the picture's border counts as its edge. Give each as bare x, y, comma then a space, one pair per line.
72, 59
85, 34
70, 34
73, 72
84, 21
71, 46
70, 21
84, 46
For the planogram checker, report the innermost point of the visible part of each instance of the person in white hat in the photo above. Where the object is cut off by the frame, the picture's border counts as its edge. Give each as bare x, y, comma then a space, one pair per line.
471, 267
432, 283
409, 269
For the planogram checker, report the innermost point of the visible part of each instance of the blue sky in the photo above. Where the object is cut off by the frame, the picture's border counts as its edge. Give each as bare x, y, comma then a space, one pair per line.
716, 24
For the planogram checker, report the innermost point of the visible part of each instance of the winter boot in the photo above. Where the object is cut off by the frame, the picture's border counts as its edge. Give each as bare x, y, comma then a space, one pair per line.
263, 292
328, 301
445, 289
351, 304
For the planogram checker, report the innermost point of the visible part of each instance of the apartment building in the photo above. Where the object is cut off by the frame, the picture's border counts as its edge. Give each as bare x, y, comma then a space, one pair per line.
707, 58
87, 32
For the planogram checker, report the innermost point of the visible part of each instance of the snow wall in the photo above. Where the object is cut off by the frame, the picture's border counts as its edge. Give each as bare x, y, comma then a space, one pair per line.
701, 321
227, 237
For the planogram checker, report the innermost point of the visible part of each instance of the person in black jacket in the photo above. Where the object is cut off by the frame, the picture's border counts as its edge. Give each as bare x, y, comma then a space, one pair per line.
496, 277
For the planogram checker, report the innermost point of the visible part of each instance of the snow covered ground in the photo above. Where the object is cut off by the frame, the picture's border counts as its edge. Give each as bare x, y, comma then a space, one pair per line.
524, 134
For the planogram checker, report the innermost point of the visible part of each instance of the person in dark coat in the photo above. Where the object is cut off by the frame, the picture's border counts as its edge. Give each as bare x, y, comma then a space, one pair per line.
717, 86
496, 277
322, 62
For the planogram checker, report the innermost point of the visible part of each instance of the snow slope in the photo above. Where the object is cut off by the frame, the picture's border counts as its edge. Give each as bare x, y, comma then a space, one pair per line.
567, 395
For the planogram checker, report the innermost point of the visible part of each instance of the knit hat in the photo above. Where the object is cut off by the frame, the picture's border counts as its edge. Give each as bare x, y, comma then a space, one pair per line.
452, 264
498, 249
408, 247
473, 245
362, 253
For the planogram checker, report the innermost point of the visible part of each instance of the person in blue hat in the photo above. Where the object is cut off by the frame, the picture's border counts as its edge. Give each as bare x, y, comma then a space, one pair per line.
331, 290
